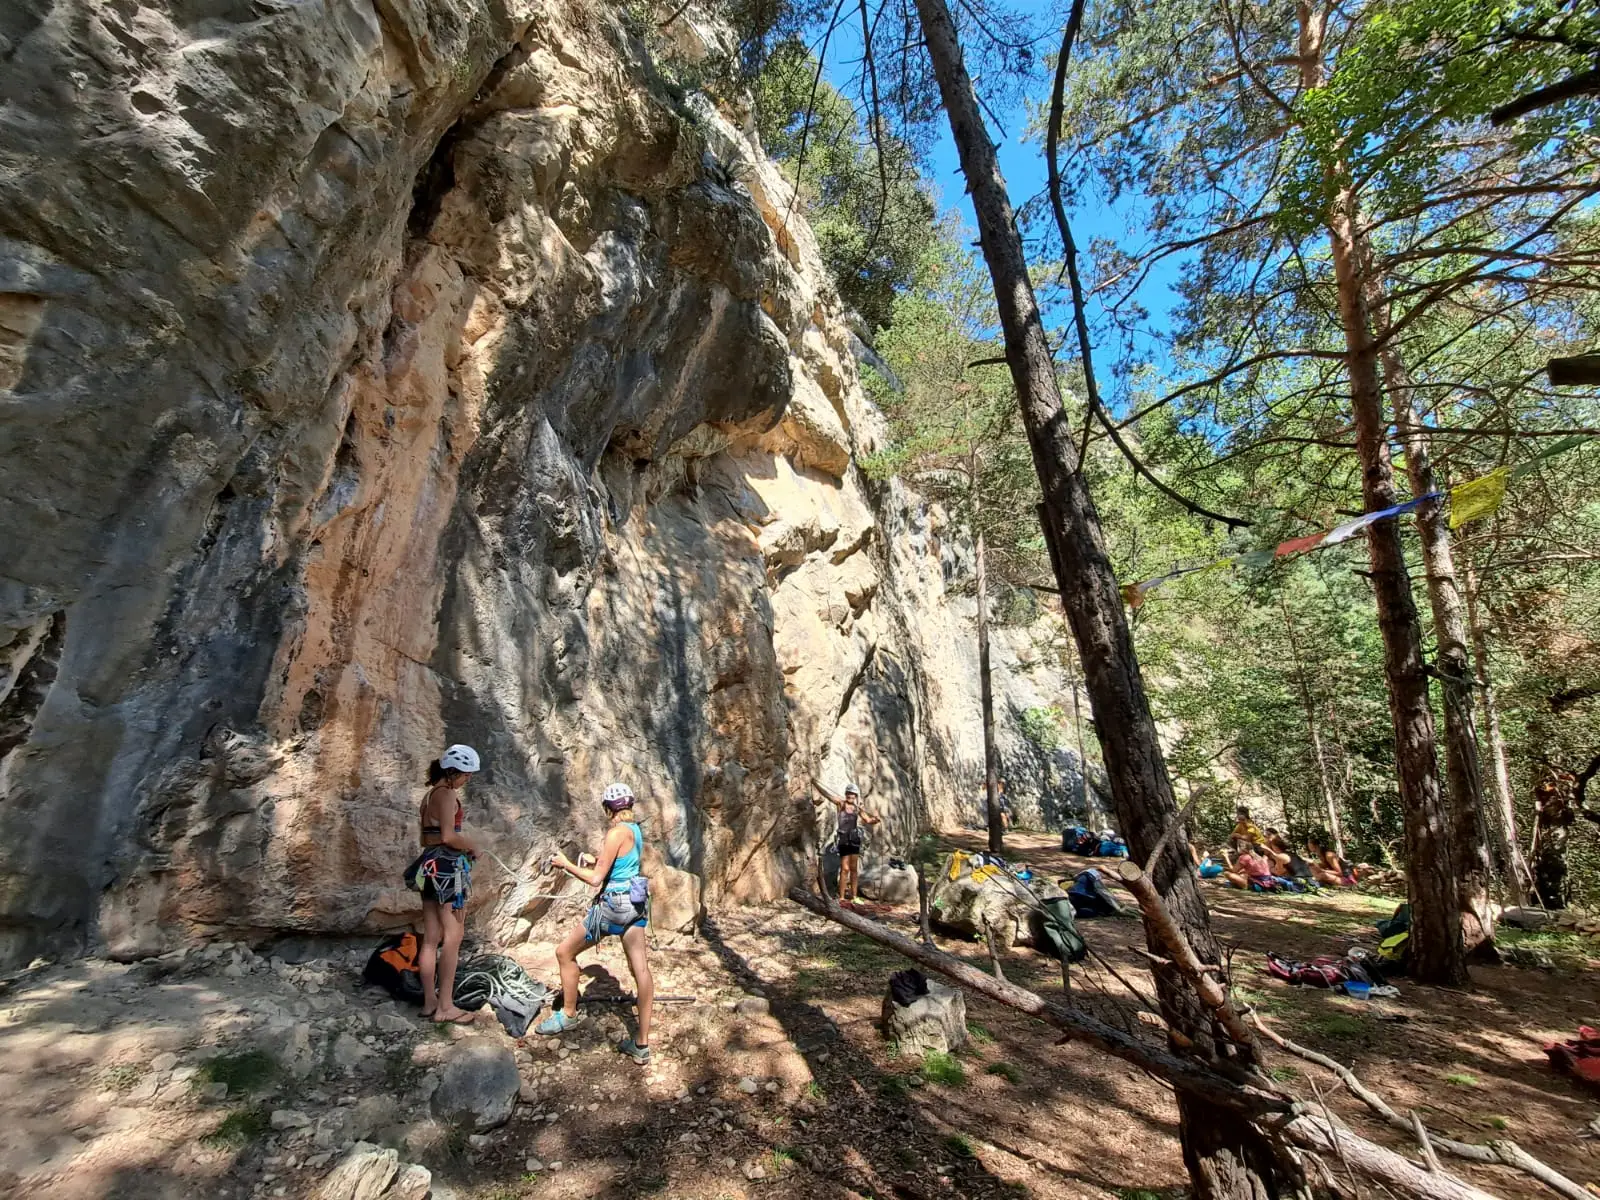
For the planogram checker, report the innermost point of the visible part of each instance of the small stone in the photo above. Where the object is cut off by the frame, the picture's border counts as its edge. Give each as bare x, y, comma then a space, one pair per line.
234, 971
479, 1141
749, 1086
824, 1057
164, 1062
527, 1093
287, 1118
730, 1164
772, 1087
394, 1023
914, 1081
555, 1166
552, 1117
754, 1171
184, 1074
753, 1006
532, 1165
700, 1091
214, 1091
145, 1089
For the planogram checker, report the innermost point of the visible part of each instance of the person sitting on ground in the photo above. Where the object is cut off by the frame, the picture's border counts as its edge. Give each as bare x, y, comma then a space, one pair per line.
1326, 866
851, 837
1286, 862
441, 873
620, 909
1251, 866
1207, 865
1244, 828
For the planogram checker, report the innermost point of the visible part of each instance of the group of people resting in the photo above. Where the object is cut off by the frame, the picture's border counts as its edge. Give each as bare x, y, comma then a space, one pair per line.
442, 873
1264, 860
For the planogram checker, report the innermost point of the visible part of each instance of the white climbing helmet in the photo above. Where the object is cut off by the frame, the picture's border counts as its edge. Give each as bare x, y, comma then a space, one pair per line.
851, 789
460, 758
617, 797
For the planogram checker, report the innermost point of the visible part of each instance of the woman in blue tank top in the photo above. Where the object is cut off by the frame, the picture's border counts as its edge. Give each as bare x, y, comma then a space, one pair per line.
621, 909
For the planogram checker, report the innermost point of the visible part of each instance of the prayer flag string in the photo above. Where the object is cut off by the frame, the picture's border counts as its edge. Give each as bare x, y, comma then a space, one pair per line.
1470, 501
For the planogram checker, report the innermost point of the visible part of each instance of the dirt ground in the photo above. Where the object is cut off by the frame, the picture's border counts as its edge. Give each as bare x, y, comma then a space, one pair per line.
774, 1083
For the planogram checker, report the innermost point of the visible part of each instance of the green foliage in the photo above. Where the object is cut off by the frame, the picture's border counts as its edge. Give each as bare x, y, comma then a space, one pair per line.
979, 1034
939, 1067
864, 196
241, 1127
247, 1071
1005, 1070
1042, 726
121, 1078
960, 1146
1461, 1079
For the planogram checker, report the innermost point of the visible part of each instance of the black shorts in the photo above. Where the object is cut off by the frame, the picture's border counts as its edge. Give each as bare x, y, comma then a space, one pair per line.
849, 846
442, 875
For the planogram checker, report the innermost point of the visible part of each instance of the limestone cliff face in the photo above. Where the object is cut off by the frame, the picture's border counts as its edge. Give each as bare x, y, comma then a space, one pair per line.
379, 374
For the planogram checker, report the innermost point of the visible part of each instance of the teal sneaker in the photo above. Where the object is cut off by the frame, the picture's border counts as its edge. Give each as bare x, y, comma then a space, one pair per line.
556, 1022
639, 1054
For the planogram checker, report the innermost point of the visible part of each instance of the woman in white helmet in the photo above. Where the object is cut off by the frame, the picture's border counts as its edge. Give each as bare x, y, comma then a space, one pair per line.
441, 873
620, 909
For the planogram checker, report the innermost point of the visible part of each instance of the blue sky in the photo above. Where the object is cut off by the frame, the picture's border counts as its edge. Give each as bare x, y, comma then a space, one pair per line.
1022, 163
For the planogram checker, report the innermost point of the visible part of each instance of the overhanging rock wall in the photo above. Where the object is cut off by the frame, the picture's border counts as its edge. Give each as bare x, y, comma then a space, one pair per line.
380, 375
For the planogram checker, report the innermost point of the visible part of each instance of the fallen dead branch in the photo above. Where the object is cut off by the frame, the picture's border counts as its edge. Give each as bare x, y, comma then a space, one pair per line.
1193, 1076
1200, 975
1276, 1113
1494, 1153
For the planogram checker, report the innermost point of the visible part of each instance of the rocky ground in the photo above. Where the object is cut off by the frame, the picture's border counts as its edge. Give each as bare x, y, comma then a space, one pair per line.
222, 1072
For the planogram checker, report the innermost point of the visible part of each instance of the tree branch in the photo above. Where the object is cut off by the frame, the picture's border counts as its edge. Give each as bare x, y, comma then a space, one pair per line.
1070, 253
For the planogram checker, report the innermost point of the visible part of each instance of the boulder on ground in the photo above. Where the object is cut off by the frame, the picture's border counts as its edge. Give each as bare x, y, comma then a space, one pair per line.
889, 885
934, 1021
478, 1085
674, 897
370, 1172
1525, 918
980, 894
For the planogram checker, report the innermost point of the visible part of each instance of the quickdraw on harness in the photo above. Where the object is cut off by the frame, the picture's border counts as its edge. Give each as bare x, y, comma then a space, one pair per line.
444, 871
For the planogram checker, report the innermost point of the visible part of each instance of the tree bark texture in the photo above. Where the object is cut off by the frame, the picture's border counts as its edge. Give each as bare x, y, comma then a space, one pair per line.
1469, 826
1436, 953
1515, 867
991, 753
1226, 1155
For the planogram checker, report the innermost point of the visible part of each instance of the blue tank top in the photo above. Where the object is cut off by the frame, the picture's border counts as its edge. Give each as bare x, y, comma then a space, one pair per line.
626, 866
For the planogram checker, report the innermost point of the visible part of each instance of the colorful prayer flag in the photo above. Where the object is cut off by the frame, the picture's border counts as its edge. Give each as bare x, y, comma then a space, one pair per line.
1294, 546
1478, 498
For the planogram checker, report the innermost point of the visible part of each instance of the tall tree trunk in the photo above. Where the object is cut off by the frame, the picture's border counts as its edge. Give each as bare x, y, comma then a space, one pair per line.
1330, 803
1514, 867
991, 753
1436, 952
1469, 828
1226, 1156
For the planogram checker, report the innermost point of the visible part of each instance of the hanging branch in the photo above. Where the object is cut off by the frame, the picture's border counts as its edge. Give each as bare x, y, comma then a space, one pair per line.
1079, 316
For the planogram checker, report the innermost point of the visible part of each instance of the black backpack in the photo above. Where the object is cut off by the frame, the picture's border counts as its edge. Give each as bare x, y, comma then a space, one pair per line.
393, 967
